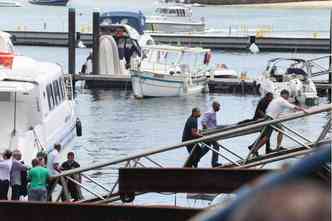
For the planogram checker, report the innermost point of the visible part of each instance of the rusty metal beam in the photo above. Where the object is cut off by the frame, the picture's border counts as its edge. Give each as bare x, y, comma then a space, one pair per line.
18, 211
185, 180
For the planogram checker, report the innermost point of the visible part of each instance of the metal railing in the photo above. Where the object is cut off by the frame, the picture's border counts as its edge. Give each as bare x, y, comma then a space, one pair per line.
145, 159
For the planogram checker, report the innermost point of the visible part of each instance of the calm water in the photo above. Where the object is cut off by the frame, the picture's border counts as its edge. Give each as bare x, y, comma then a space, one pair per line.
116, 125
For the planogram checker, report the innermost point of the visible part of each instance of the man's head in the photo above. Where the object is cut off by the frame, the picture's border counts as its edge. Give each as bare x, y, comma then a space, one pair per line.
269, 96
57, 146
7, 154
216, 106
17, 155
196, 112
284, 94
71, 156
35, 162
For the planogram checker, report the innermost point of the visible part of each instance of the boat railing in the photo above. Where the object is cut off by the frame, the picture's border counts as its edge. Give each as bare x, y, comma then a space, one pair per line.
107, 190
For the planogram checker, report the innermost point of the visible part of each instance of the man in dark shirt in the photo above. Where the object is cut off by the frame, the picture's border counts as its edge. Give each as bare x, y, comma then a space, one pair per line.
260, 114
73, 188
191, 132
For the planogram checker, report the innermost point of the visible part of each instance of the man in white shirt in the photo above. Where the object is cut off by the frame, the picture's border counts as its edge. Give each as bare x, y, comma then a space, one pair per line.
5, 168
273, 111
53, 165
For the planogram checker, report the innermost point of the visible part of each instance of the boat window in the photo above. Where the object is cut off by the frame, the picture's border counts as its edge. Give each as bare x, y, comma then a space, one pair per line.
4, 96
57, 90
56, 93
172, 11
50, 97
61, 88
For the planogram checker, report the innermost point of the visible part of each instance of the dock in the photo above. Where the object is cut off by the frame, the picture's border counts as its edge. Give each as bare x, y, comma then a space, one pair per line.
243, 2
230, 86
215, 42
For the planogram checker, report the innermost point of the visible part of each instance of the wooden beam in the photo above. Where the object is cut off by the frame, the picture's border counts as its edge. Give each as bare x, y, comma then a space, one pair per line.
18, 211
185, 180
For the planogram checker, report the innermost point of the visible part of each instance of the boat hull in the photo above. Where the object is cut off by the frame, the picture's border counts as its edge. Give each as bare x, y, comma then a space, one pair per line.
174, 27
147, 84
51, 3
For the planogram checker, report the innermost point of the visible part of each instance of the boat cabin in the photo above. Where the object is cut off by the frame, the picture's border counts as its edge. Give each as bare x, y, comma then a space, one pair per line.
285, 69
174, 11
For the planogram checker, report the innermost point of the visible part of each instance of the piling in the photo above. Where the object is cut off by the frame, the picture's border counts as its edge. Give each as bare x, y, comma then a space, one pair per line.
330, 66
72, 45
95, 43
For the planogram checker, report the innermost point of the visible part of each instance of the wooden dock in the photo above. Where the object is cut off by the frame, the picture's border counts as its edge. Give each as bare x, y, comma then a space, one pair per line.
232, 86
286, 44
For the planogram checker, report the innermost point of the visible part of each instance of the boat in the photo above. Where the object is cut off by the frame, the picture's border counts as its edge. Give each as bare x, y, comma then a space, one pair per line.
37, 106
222, 71
168, 71
50, 2
291, 74
9, 4
122, 37
6, 45
174, 18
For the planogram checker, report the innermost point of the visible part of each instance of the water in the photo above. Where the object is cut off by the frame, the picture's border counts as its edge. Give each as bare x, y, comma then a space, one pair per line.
117, 125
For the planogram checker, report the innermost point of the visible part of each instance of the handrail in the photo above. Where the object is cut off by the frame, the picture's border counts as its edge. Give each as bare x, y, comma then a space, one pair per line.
220, 135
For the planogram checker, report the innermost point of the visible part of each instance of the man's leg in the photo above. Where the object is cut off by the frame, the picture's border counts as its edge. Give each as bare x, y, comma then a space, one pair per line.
279, 140
16, 192
192, 159
215, 155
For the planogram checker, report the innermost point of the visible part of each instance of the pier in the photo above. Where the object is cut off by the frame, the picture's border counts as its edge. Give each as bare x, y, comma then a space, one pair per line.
281, 44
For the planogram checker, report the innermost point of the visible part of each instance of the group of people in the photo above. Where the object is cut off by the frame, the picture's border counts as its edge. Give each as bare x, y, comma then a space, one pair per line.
268, 108
35, 182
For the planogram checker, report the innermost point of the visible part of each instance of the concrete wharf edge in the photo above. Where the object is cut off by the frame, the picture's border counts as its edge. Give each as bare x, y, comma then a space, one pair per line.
235, 86
286, 44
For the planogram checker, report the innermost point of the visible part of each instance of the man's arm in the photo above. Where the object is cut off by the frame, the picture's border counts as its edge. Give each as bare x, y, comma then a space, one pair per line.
195, 133
205, 120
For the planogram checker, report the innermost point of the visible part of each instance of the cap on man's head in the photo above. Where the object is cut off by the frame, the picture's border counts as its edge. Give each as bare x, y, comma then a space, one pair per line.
284, 92
195, 110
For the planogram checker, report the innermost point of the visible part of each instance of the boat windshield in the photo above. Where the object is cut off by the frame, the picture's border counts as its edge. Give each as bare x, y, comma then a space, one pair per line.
288, 67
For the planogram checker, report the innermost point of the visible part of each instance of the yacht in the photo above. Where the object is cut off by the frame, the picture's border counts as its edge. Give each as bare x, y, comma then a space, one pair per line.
37, 107
174, 18
9, 4
292, 74
168, 71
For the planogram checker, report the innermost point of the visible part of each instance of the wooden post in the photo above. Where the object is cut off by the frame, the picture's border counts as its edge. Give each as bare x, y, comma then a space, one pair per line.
96, 35
72, 45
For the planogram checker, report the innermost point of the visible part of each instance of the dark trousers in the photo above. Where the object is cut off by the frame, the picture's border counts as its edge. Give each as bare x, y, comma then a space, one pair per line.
196, 153
4, 187
16, 192
215, 156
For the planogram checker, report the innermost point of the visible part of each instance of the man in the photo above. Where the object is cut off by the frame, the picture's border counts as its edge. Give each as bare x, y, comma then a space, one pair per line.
209, 121
38, 176
273, 111
191, 132
17, 179
72, 187
53, 166
260, 113
5, 168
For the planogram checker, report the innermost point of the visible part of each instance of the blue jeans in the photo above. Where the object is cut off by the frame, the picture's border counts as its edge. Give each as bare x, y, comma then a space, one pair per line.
37, 195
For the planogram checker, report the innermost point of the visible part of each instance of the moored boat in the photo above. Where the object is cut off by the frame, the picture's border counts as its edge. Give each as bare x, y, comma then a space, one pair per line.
291, 74
168, 71
50, 2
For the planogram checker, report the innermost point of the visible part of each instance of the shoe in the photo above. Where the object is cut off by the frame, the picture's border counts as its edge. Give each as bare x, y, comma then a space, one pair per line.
216, 165
281, 148
267, 151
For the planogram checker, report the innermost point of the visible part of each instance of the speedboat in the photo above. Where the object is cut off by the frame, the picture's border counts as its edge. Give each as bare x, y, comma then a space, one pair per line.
122, 37
168, 71
291, 74
50, 2
9, 4
174, 18
222, 71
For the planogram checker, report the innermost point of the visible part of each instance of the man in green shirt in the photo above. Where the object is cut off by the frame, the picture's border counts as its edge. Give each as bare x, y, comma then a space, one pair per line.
38, 177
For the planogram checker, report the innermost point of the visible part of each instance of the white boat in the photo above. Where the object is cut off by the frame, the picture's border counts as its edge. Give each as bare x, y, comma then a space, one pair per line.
170, 71
6, 45
122, 36
174, 18
290, 74
223, 72
10, 4
36, 107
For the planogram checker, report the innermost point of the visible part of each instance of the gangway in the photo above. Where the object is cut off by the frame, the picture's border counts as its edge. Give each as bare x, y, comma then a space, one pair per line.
109, 193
